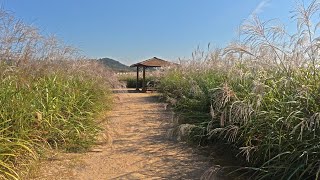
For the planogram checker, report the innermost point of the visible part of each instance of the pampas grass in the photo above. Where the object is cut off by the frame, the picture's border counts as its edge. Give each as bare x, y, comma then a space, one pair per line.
262, 94
50, 96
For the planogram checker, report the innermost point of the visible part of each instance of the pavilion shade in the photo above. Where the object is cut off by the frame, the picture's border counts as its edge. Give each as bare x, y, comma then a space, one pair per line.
149, 63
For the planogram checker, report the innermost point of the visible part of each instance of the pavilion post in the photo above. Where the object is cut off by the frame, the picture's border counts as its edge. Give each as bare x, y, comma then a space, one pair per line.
144, 80
137, 83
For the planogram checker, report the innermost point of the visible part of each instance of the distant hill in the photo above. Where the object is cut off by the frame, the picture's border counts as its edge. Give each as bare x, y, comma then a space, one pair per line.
115, 65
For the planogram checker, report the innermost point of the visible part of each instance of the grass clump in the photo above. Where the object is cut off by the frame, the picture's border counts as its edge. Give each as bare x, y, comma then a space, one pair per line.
50, 96
260, 96
50, 108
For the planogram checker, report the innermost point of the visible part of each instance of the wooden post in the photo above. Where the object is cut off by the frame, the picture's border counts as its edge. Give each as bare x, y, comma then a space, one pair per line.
144, 80
137, 83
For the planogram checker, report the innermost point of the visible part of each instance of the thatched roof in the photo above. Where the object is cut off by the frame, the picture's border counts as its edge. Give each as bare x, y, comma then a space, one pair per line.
153, 62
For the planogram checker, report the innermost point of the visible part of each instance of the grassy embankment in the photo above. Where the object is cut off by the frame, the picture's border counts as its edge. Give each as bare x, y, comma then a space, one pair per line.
49, 97
260, 96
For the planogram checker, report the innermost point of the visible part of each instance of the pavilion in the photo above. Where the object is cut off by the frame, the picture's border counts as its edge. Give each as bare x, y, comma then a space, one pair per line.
149, 63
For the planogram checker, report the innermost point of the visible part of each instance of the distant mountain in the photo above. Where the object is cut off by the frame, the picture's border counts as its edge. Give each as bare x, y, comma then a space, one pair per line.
115, 65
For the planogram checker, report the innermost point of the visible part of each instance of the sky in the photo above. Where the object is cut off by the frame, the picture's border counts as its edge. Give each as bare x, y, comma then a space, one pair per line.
134, 30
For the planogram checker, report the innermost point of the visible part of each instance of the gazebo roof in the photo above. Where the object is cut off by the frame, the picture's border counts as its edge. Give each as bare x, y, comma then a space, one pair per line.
153, 62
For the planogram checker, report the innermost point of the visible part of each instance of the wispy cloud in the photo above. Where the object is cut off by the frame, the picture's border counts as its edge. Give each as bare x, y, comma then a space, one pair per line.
260, 8
257, 10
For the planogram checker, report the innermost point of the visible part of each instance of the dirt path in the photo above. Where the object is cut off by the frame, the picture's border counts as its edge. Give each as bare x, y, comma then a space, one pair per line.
140, 149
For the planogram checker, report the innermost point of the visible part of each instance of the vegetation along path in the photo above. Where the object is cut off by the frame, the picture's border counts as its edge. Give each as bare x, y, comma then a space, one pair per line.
140, 149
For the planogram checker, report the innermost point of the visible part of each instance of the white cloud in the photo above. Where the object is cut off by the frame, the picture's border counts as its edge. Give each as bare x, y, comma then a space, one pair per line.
260, 8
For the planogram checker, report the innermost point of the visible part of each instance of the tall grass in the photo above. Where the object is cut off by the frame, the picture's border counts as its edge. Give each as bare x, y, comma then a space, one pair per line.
261, 96
50, 96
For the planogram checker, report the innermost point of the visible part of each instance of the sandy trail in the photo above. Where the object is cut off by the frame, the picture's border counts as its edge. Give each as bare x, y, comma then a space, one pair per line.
140, 149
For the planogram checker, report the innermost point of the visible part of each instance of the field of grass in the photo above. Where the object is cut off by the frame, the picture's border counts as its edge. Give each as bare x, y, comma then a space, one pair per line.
54, 107
50, 96
260, 96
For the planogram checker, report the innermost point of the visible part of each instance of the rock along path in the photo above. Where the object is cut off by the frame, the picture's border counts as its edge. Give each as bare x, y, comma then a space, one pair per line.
139, 149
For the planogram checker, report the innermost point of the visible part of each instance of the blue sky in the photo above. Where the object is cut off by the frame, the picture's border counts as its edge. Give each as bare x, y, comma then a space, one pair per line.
134, 30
